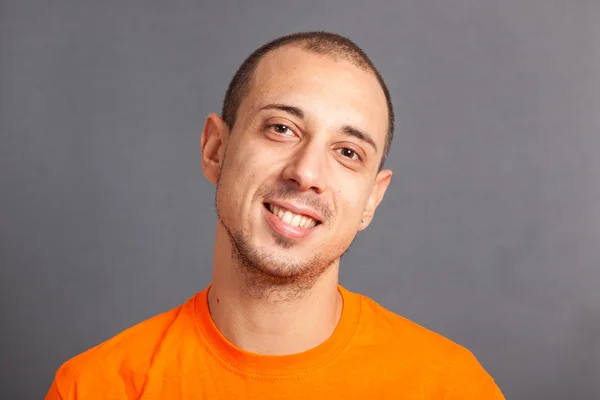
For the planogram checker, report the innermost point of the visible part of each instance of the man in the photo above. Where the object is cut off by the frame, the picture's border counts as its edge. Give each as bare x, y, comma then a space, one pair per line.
297, 157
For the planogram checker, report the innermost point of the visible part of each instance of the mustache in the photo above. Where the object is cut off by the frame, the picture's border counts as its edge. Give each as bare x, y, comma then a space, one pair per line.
288, 193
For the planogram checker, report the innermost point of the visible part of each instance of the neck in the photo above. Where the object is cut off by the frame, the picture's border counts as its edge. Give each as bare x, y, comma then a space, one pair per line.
266, 324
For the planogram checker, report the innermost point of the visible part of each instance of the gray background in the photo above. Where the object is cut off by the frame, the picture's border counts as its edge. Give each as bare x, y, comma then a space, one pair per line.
489, 234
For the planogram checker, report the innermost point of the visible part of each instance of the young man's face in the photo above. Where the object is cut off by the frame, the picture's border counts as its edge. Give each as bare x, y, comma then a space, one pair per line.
297, 180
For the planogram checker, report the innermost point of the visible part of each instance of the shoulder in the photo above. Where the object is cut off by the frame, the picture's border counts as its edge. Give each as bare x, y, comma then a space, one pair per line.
396, 330
444, 365
117, 366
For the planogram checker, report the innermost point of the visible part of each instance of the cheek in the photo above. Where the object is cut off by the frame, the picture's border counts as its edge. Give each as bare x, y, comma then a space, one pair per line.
351, 202
241, 176
230, 193
249, 158
235, 190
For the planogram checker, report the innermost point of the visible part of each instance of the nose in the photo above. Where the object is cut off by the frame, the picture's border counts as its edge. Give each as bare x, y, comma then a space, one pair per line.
306, 169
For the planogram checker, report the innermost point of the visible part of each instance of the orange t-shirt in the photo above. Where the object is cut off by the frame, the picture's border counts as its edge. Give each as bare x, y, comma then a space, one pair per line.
372, 354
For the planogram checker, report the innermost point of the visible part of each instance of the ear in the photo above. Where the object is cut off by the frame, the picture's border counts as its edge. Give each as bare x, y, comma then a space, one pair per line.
382, 181
212, 143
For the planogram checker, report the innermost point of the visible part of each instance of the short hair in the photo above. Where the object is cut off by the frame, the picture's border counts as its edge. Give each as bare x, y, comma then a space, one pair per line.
325, 43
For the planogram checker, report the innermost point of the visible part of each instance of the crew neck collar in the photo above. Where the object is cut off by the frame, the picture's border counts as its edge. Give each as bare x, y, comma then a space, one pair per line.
233, 357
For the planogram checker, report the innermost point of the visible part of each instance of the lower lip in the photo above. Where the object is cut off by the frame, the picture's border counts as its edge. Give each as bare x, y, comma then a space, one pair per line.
285, 229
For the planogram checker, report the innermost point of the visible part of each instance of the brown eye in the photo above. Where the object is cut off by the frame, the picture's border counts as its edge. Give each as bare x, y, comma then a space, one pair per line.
349, 153
282, 129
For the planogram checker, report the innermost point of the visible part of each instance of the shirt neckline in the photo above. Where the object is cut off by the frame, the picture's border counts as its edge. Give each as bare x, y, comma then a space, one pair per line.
305, 362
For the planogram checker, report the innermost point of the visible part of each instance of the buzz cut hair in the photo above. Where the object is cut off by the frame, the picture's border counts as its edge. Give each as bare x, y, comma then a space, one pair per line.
324, 43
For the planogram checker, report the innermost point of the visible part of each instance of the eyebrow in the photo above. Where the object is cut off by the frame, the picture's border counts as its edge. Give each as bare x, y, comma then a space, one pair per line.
346, 129
283, 107
360, 135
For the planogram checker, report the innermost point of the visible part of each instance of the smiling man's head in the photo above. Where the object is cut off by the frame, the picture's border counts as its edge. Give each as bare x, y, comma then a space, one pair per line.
297, 155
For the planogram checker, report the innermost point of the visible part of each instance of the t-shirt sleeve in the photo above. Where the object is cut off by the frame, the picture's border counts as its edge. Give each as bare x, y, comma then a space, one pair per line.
498, 394
468, 380
53, 393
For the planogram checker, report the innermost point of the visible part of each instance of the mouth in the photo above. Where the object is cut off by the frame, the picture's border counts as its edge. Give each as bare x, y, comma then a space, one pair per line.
293, 219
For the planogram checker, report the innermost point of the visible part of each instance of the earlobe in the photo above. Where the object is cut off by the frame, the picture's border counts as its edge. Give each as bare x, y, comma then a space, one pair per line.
212, 143
381, 184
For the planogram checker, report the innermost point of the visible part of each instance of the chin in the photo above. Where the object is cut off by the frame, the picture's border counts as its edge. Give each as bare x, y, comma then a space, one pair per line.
269, 259
281, 263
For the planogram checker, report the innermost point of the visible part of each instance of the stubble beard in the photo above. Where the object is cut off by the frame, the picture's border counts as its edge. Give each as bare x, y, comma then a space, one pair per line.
266, 275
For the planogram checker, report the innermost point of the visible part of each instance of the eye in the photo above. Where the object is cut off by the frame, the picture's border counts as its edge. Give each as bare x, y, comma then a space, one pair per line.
349, 153
282, 129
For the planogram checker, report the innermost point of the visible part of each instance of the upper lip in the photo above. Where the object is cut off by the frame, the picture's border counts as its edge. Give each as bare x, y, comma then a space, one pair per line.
297, 209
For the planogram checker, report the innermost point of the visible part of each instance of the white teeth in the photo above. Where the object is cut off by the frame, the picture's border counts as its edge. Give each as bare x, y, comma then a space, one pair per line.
287, 217
302, 223
296, 220
290, 218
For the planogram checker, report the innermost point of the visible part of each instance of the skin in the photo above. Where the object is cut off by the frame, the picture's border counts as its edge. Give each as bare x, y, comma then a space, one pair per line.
296, 142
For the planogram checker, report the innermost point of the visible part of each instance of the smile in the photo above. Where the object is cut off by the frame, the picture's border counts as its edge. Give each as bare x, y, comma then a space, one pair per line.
290, 218
296, 224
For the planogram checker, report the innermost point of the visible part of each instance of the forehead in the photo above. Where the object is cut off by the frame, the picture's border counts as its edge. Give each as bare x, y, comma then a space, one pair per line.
330, 91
